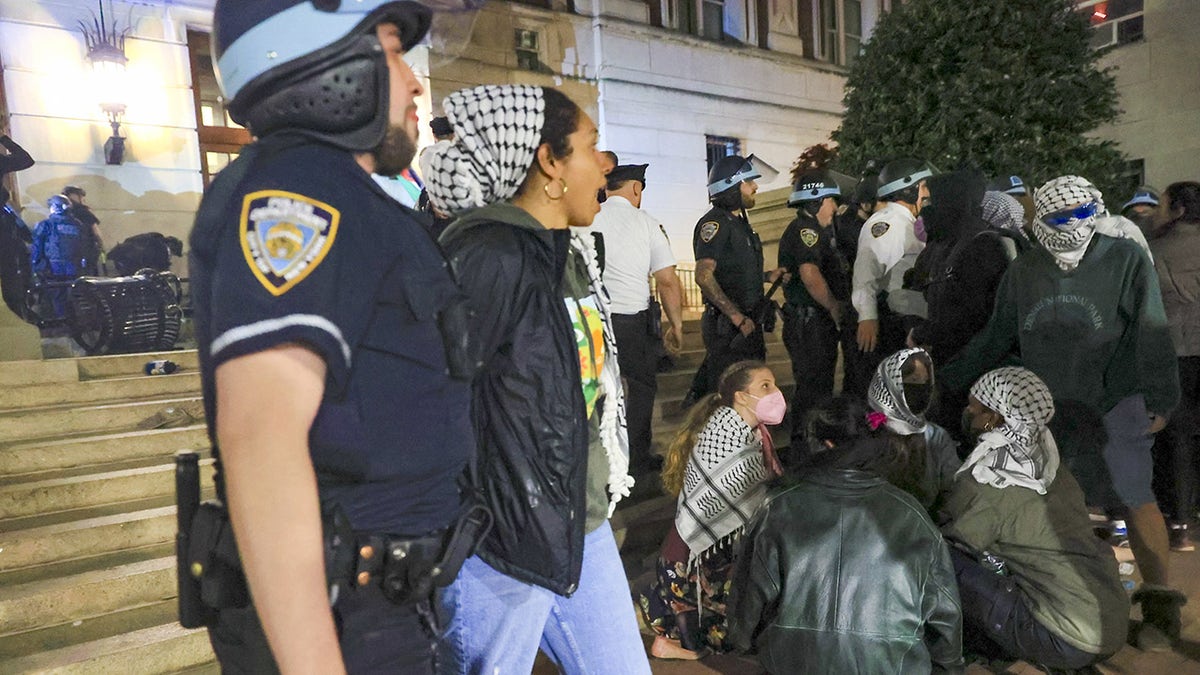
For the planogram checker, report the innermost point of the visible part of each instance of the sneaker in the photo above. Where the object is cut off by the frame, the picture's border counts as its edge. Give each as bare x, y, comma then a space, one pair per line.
1178, 536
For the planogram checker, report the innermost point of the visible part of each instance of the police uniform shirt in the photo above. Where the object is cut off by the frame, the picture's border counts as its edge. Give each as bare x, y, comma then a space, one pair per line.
806, 242
635, 246
887, 248
734, 245
309, 250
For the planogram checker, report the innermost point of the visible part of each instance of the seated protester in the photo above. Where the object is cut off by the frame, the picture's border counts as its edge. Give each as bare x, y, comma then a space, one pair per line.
925, 456
1035, 583
844, 572
149, 250
718, 465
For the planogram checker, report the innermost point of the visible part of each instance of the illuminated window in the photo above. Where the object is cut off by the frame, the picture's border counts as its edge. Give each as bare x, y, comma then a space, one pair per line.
220, 137
528, 55
1114, 22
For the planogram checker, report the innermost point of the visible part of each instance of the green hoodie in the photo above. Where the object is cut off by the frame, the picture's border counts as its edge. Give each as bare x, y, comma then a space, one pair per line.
1097, 334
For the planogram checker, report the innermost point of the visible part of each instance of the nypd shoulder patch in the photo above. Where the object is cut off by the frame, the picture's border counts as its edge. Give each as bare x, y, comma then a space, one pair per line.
285, 236
809, 237
709, 230
879, 229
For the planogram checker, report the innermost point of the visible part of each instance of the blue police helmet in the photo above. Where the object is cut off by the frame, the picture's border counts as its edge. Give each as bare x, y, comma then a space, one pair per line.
58, 203
899, 174
311, 65
1012, 185
1143, 195
813, 186
732, 170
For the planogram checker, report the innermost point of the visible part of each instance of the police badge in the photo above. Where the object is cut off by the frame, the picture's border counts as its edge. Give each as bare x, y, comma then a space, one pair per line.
809, 237
879, 229
709, 230
285, 236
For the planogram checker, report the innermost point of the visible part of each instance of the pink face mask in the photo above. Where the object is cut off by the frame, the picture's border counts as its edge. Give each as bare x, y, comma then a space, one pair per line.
770, 408
919, 229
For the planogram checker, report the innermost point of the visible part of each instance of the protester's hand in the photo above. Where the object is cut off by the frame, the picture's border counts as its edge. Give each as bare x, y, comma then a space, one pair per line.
868, 334
776, 273
1157, 423
910, 341
673, 339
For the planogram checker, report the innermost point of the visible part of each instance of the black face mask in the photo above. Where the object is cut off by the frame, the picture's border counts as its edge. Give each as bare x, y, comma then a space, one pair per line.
917, 397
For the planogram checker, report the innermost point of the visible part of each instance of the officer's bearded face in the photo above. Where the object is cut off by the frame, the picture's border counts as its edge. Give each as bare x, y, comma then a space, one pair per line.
749, 190
395, 153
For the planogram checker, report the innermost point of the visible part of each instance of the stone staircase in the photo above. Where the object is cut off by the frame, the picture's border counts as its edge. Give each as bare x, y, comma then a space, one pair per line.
87, 516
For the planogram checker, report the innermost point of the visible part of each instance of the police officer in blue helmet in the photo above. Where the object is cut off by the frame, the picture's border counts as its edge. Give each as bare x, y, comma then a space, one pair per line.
729, 270
335, 373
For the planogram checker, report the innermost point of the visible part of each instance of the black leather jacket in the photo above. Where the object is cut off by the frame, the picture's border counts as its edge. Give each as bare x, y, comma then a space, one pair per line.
527, 405
844, 573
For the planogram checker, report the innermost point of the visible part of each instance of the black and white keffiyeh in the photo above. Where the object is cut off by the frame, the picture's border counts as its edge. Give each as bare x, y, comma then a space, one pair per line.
1021, 451
497, 130
886, 393
724, 483
613, 432
1002, 211
1067, 243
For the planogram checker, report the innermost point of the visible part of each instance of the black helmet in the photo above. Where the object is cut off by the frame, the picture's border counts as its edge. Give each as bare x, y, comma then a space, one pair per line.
813, 186
901, 173
732, 170
1012, 185
314, 65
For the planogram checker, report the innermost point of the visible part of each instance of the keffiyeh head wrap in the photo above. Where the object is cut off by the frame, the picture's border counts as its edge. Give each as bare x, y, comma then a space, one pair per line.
1003, 211
1066, 243
497, 130
886, 393
1021, 451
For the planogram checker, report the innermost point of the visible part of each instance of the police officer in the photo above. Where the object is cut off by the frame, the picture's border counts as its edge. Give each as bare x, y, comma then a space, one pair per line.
887, 248
729, 272
61, 251
816, 293
328, 386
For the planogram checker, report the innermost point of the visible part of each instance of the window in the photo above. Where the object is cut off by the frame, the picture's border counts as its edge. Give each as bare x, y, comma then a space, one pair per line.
721, 146
1114, 22
220, 137
840, 28
713, 19
526, 44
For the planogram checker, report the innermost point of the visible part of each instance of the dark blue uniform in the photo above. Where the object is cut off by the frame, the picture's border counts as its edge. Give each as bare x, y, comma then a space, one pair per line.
309, 250
730, 241
809, 332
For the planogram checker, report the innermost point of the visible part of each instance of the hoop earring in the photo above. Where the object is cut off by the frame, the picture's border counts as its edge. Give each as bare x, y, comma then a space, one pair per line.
546, 189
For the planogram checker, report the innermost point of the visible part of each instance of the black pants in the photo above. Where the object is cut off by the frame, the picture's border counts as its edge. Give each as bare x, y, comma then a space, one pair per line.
856, 367
811, 338
376, 636
893, 332
724, 346
998, 624
637, 354
1175, 448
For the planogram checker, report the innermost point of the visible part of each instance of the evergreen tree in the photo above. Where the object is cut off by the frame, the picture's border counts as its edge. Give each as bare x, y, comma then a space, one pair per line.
1005, 86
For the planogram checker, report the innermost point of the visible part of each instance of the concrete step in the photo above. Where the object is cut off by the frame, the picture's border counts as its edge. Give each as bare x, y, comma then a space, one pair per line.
49, 638
20, 373
165, 648
65, 599
90, 391
76, 492
680, 379
95, 367
58, 421
17, 459
86, 538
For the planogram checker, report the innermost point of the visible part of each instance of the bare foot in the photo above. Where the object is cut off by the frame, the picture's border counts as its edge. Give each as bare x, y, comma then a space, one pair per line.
666, 648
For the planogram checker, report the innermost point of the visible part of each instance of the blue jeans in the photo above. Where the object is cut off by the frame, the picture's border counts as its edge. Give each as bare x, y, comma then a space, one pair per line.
499, 623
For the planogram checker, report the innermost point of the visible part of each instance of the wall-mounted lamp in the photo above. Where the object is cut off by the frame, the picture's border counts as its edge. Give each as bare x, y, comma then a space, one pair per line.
106, 52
